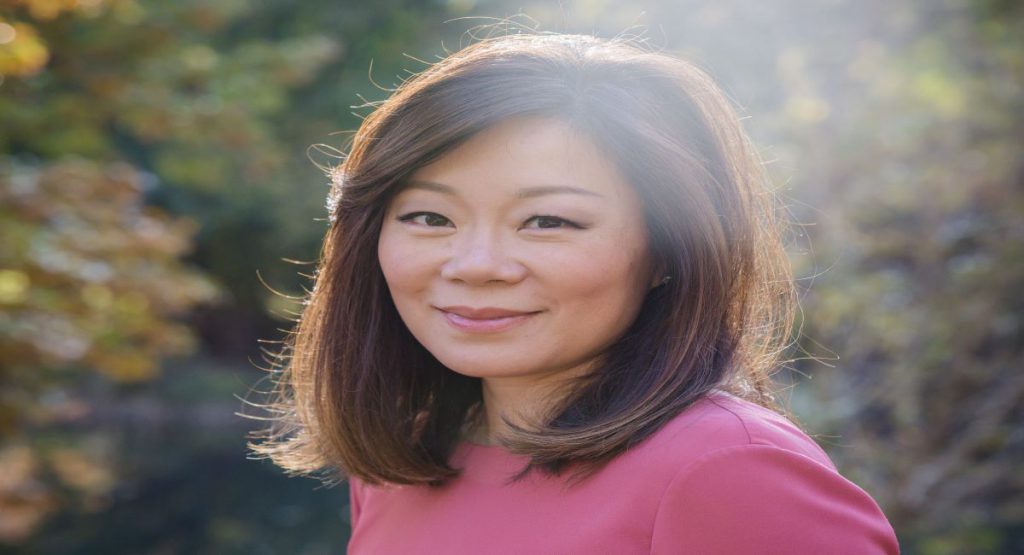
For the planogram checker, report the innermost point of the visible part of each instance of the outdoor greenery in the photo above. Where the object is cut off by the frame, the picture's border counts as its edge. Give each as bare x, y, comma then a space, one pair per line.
161, 197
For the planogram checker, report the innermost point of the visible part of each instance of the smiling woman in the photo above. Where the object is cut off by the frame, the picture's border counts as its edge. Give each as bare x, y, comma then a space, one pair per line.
561, 270
545, 319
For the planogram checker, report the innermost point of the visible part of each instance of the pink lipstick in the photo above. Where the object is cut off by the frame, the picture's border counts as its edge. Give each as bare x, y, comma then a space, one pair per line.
484, 320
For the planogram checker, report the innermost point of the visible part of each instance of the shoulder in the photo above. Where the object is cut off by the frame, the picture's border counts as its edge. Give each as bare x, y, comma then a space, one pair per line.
720, 421
744, 478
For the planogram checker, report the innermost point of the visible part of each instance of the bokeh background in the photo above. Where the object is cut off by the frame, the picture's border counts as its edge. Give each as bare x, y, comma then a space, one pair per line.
160, 200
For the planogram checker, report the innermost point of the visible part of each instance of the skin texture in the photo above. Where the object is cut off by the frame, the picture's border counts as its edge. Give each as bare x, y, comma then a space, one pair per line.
482, 246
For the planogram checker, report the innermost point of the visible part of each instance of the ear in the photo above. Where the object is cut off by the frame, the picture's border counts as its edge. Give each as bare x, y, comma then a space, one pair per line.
658, 274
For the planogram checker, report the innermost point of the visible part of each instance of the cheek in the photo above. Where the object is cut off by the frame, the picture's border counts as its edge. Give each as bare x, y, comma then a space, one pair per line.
595, 300
404, 266
613, 268
605, 288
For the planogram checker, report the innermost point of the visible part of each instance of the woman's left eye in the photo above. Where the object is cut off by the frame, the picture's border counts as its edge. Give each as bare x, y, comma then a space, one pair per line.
552, 222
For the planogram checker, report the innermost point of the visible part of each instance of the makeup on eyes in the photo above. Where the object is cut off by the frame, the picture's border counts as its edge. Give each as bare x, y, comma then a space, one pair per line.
427, 217
563, 223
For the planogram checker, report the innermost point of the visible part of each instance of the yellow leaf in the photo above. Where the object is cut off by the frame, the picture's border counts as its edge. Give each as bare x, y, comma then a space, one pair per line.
24, 53
13, 286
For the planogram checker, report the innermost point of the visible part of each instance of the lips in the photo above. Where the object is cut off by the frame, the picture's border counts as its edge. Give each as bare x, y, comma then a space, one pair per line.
484, 320
487, 313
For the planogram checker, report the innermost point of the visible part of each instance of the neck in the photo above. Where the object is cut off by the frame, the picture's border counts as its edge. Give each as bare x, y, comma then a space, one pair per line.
523, 400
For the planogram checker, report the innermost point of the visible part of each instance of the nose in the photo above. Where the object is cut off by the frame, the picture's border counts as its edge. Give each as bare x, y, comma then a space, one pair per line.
480, 258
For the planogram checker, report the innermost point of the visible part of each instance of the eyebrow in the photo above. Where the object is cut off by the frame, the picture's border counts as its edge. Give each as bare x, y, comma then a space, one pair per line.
526, 192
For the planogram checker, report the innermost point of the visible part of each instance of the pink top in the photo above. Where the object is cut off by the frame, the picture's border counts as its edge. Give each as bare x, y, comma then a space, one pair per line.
725, 476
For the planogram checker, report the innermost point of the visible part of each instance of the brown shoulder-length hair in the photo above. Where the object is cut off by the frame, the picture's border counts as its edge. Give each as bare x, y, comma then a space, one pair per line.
357, 395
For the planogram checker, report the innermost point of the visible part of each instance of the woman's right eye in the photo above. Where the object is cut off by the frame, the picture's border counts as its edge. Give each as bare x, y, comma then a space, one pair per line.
428, 219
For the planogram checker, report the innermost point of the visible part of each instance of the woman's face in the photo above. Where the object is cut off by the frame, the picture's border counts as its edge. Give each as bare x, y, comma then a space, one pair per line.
521, 254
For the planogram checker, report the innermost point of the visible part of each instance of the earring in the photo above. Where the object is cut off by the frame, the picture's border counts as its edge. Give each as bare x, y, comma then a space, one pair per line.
664, 280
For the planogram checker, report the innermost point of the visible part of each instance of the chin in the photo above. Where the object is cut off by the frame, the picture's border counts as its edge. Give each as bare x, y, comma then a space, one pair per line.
487, 367
475, 371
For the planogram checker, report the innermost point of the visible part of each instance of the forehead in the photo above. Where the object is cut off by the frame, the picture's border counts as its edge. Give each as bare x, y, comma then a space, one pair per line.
517, 155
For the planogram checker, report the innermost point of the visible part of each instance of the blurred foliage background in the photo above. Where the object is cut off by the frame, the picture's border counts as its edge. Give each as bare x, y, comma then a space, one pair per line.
157, 186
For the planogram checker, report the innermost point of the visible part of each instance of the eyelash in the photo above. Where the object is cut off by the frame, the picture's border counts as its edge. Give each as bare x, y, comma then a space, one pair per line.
567, 223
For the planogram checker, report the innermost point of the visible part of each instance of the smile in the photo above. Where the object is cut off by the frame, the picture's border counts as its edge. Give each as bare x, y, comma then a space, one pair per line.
486, 325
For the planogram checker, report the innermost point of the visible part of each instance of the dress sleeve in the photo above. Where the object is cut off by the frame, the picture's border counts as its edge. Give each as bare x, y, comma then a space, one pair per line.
765, 499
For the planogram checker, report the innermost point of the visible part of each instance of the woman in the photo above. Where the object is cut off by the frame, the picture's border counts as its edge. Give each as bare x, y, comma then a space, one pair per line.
549, 301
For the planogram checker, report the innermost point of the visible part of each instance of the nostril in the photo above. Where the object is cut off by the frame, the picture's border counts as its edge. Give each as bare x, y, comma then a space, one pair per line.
482, 266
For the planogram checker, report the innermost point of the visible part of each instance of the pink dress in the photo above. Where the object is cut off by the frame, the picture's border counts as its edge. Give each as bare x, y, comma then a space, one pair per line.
725, 476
